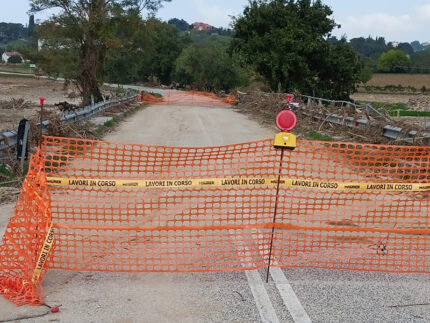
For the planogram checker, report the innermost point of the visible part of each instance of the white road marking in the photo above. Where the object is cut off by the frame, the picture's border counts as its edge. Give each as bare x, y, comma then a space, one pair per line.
289, 297
264, 306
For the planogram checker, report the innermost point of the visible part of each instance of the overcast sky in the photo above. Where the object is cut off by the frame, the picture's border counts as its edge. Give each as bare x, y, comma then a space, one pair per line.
401, 20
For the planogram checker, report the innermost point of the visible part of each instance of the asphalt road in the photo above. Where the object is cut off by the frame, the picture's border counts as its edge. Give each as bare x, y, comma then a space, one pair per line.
292, 295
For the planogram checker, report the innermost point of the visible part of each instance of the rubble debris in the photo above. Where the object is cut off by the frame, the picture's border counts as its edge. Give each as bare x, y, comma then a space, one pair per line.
66, 106
420, 103
16, 104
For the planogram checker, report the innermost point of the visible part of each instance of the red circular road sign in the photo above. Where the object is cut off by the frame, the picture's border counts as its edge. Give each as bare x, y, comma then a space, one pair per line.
286, 120
42, 100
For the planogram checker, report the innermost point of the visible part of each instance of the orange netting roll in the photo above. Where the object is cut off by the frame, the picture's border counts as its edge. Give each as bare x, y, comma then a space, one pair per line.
99, 206
152, 99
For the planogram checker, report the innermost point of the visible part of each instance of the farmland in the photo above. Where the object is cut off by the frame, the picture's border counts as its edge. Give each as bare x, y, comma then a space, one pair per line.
405, 80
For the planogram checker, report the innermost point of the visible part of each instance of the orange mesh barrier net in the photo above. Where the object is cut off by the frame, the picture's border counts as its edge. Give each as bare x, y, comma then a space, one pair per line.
191, 98
99, 206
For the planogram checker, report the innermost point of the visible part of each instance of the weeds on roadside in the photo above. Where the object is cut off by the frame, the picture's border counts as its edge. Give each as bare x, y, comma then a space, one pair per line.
319, 136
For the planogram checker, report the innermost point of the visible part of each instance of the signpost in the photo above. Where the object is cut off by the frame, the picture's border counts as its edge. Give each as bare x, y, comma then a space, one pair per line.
285, 121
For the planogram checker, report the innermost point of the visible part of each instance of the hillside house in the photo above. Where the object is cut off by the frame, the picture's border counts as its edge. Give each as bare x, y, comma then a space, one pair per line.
200, 26
6, 55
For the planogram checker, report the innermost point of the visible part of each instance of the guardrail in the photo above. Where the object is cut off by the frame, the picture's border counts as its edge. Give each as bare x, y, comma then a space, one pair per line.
369, 109
8, 138
389, 131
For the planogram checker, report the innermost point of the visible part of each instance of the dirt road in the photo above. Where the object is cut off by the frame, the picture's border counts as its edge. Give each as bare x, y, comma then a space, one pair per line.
188, 127
321, 295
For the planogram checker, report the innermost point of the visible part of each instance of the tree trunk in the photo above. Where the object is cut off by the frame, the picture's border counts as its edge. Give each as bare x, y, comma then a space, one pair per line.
87, 78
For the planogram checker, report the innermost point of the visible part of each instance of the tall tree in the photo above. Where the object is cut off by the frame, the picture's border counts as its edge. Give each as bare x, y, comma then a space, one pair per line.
31, 26
406, 48
286, 41
85, 29
168, 45
341, 71
420, 62
416, 45
11, 31
134, 49
370, 47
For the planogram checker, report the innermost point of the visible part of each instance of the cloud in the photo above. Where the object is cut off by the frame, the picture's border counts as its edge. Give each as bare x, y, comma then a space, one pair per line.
402, 27
378, 24
212, 14
424, 11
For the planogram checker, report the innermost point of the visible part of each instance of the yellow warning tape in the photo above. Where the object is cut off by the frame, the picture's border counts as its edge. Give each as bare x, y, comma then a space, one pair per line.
47, 245
238, 182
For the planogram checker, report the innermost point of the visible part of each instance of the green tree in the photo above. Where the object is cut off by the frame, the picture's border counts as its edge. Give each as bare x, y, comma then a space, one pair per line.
370, 47
393, 61
31, 26
167, 46
343, 69
416, 45
207, 66
181, 24
85, 30
15, 59
133, 49
406, 48
286, 41
420, 62
11, 31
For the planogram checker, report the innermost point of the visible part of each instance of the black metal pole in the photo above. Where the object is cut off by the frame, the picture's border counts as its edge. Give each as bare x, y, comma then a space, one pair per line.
275, 213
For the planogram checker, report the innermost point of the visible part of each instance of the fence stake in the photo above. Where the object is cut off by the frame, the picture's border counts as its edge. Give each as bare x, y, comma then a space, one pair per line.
275, 213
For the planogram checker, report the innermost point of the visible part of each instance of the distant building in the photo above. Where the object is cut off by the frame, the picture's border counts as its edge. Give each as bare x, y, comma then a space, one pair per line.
6, 55
395, 44
201, 26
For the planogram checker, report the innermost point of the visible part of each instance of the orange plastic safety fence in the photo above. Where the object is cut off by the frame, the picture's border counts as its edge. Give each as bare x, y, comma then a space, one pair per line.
372, 230
21, 249
135, 208
191, 98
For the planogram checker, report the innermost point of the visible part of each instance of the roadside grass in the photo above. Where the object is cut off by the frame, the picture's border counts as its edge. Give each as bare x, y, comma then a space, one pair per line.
106, 126
319, 136
6, 171
15, 75
398, 109
111, 123
17, 67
